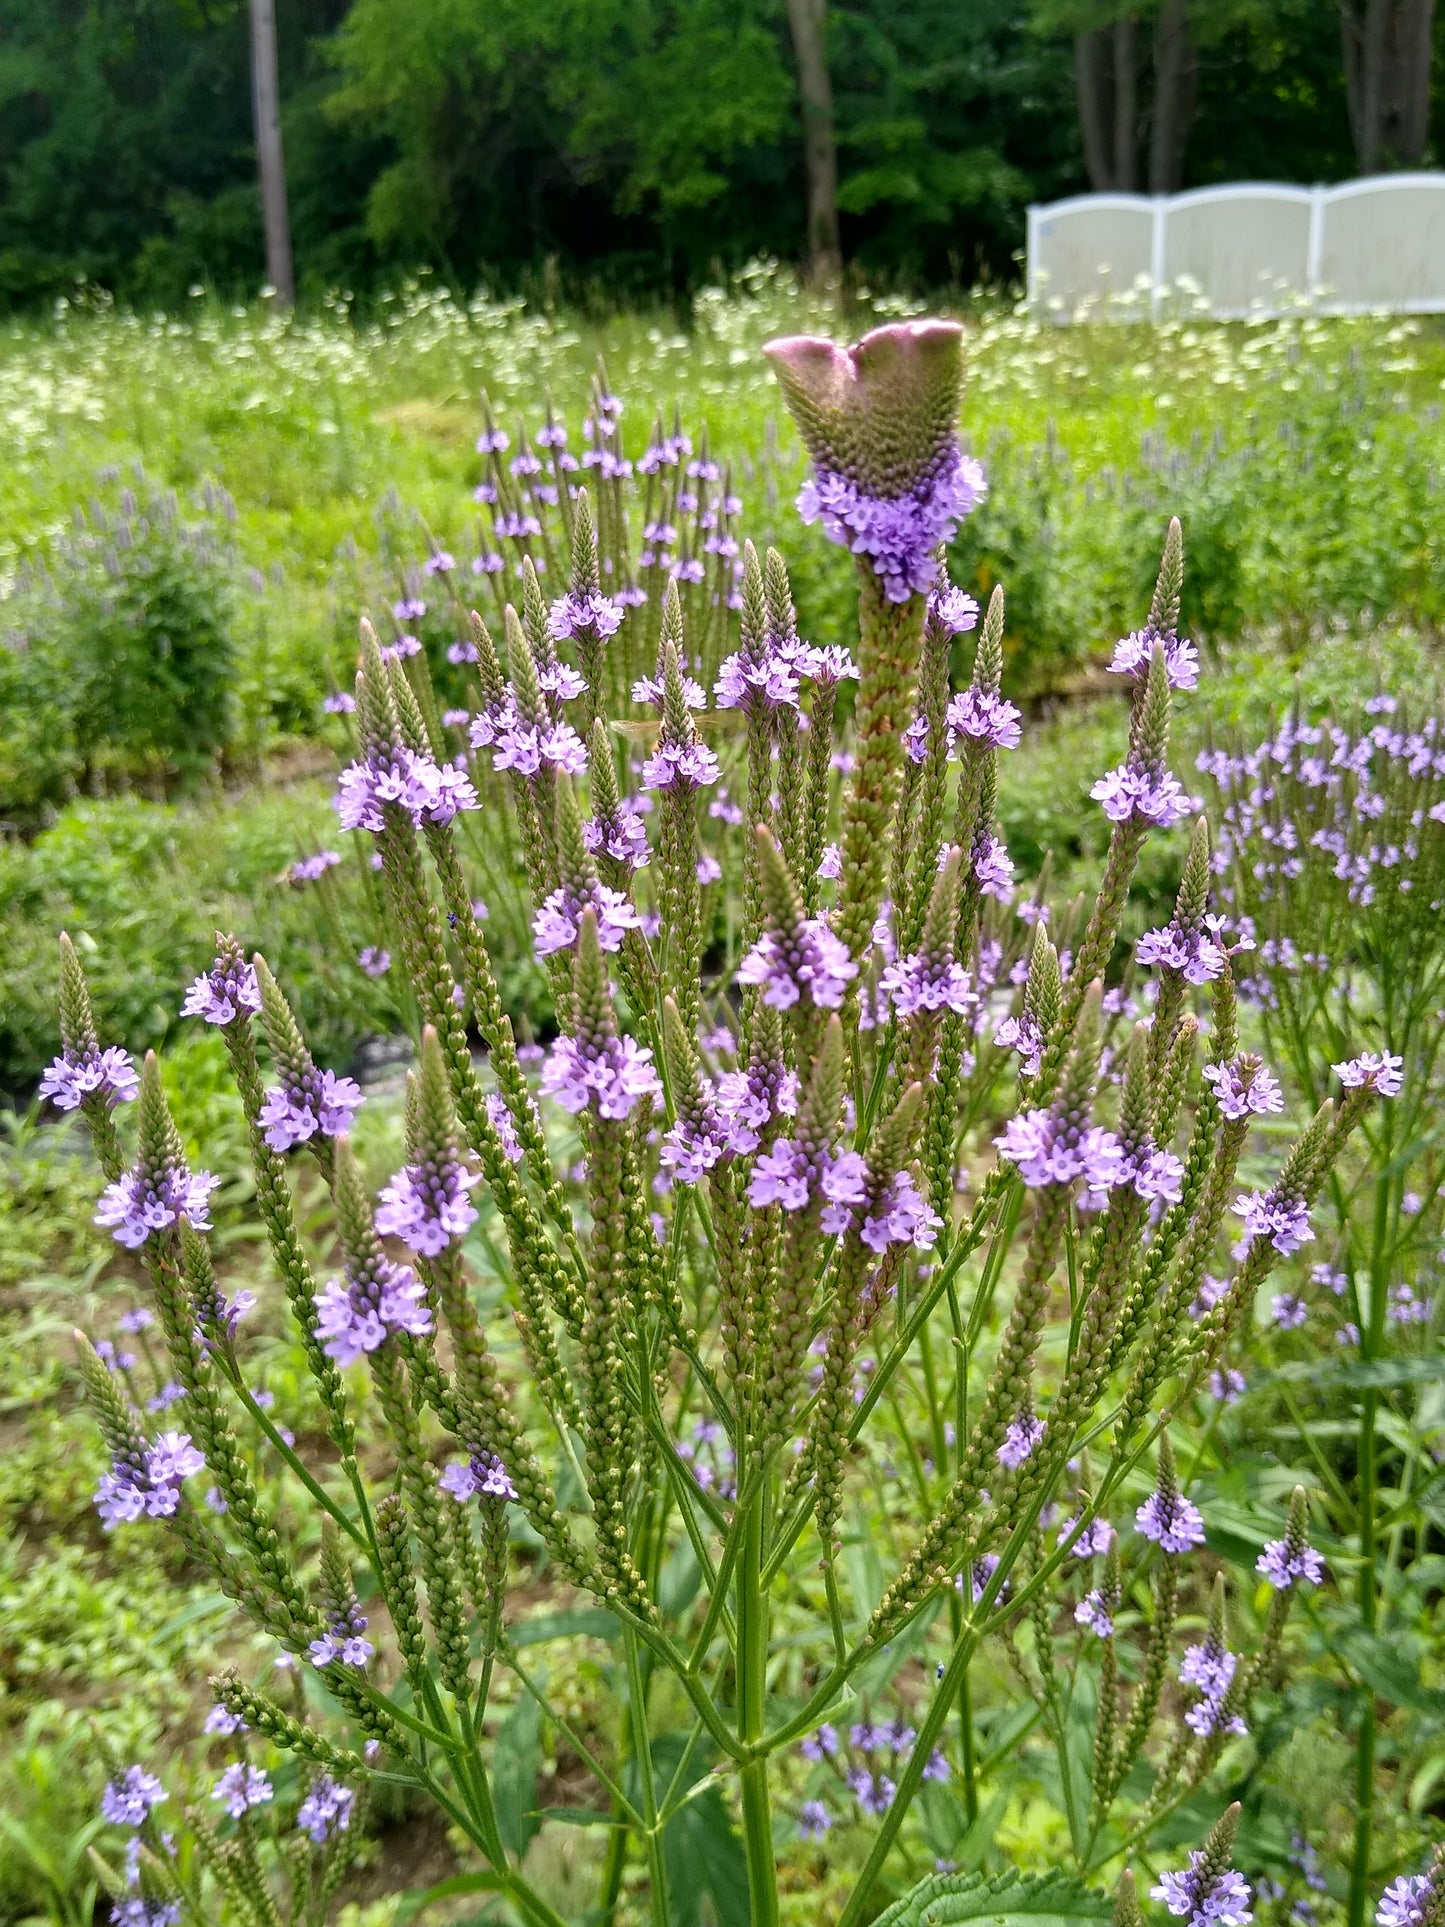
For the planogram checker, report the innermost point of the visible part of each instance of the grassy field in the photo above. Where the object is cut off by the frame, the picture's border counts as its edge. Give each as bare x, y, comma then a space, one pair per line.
1307, 460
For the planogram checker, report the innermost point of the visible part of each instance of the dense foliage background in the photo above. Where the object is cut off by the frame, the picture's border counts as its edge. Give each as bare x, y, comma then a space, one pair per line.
611, 146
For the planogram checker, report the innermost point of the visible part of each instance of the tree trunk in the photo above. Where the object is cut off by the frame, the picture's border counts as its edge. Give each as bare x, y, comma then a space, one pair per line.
266, 94
808, 24
1174, 68
1126, 107
1095, 91
1387, 46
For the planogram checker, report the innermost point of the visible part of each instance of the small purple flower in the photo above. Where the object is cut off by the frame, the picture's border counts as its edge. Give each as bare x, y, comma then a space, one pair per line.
1195, 954
953, 611
1022, 1034
813, 962
505, 1127
680, 766
429, 792
136, 1205
821, 1745
339, 703
994, 869
1019, 1441
768, 682
1285, 1222
1132, 656
901, 1216
1289, 1311
325, 1811
439, 563
359, 1312
593, 616
922, 982
306, 870
1095, 1612
427, 1206
481, 1476
1226, 1386
127, 1802
1171, 1521
1404, 1901
1222, 1901
1095, 1538
242, 1787
1046, 1151
223, 993
557, 924
985, 718
814, 1820
1282, 1564
343, 1640
1131, 794
77, 1074
1244, 1088
875, 1791
374, 961
611, 1075
151, 1487
221, 1719
622, 836
322, 1103
1374, 1071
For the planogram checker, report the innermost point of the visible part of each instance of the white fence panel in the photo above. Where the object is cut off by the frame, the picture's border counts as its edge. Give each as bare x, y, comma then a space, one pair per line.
1250, 248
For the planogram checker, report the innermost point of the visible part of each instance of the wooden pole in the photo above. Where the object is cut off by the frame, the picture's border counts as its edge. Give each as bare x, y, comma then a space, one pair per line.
266, 93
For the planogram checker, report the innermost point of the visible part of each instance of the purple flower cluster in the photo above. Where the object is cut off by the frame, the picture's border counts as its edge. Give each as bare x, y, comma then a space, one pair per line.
1404, 1901
1132, 793
1049, 1151
481, 1476
1022, 1034
223, 993
1374, 1071
610, 1075
77, 1075
1023, 1434
680, 766
1210, 1668
343, 1640
427, 1206
1283, 1563
558, 923
358, 1313
1244, 1088
1095, 1611
922, 982
1171, 1521
321, 1103
1196, 955
592, 616
984, 718
791, 1175
151, 1487
621, 835
1284, 1221
127, 1802
326, 1810
307, 869
1202, 1900
813, 962
524, 747
241, 1788
1133, 654
899, 535
429, 792
139, 1203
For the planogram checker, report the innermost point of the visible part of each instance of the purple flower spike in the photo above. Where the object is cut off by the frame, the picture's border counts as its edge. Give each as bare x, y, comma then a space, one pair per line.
611, 1075
878, 419
325, 1811
1282, 1564
76, 1075
127, 1802
481, 1476
814, 964
985, 718
1019, 1441
1181, 658
223, 993
429, 792
1142, 796
1374, 1071
427, 1206
138, 1204
1404, 1901
1171, 1521
149, 1486
1245, 1088
322, 1103
1094, 1612
557, 924
1204, 1901
242, 1787
359, 1312
1285, 1222
814, 1820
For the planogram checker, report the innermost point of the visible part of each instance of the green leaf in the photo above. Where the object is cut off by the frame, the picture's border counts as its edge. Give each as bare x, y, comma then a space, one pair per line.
1040, 1900
516, 1761
461, 1883
1386, 1670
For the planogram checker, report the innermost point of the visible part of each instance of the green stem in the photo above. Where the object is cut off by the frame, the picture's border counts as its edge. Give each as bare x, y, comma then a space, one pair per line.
652, 1834
752, 1670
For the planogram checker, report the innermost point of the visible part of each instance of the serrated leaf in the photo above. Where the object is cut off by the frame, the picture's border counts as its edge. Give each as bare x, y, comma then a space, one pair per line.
1032, 1900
